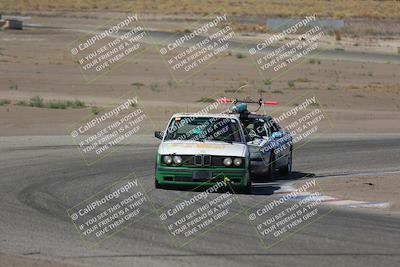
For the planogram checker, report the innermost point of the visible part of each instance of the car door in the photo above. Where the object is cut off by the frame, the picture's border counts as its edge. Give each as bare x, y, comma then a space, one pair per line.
256, 137
281, 142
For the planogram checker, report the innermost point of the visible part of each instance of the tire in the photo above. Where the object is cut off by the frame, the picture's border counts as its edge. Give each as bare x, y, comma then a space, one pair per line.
246, 189
272, 167
157, 185
288, 168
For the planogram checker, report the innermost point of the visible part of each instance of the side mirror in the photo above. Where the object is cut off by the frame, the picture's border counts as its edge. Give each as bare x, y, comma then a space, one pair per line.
158, 134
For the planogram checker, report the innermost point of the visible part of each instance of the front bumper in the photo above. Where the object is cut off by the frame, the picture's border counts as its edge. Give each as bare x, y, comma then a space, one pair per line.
183, 176
259, 167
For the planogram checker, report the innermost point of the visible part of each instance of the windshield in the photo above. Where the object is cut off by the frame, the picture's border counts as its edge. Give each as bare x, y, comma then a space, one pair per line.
203, 128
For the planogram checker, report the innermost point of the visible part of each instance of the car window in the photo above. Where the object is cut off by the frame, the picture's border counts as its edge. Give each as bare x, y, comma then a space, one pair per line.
255, 127
204, 128
273, 127
260, 128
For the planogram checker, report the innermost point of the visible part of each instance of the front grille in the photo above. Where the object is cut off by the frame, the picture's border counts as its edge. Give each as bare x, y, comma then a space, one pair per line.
204, 161
188, 160
198, 160
217, 161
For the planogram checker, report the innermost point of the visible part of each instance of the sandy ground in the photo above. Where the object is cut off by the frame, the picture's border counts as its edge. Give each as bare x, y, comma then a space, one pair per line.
377, 188
36, 62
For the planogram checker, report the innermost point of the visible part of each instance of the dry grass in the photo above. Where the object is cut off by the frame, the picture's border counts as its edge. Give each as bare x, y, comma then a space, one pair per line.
249, 27
335, 9
38, 102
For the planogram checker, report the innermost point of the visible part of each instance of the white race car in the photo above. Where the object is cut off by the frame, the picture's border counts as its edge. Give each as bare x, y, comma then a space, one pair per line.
200, 150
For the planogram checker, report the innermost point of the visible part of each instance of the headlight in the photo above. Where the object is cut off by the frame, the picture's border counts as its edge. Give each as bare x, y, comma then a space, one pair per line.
227, 162
167, 159
237, 161
177, 159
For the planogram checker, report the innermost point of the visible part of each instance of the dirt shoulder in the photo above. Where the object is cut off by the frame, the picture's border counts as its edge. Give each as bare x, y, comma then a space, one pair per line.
338, 9
358, 97
379, 188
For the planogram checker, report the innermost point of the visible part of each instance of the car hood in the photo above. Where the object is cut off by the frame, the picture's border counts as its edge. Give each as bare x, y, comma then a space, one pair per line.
208, 148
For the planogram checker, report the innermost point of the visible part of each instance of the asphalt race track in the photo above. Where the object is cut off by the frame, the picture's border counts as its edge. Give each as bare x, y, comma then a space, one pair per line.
42, 177
162, 37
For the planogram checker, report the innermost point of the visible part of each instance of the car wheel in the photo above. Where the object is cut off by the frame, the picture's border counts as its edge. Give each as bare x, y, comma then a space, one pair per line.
246, 189
272, 167
288, 167
157, 184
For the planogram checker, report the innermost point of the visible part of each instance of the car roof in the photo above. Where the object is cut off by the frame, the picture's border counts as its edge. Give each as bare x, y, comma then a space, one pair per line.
224, 115
258, 116
217, 115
